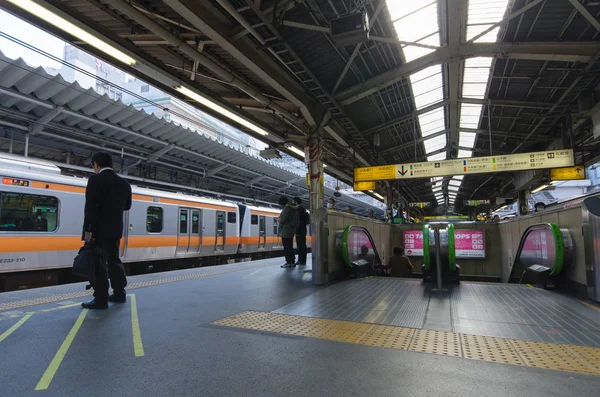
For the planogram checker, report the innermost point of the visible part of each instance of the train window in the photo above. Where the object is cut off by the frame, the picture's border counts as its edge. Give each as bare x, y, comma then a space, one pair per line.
254, 219
183, 221
231, 217
275, 226
154, 220
28, 212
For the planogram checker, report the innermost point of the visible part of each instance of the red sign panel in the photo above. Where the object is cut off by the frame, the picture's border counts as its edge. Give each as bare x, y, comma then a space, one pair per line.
413, 242
539, 248
469, 243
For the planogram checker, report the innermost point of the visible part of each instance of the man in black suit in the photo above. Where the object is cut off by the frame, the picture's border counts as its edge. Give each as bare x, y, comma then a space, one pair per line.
107, 195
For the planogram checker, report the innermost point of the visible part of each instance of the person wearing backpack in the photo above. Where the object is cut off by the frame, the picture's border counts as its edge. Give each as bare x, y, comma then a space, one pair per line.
288, 223
303, 220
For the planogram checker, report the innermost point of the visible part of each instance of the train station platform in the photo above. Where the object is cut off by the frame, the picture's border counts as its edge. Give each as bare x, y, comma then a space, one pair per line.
254, 329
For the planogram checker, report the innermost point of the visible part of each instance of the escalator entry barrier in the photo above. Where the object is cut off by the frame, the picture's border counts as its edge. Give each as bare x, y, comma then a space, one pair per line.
450, 269
545, 252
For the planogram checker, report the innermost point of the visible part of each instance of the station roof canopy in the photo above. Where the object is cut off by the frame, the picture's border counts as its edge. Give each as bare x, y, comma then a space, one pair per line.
435, 80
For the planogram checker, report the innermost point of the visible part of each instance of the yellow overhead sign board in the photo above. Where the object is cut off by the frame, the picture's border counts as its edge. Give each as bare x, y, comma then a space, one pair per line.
466, 166
568, 173
362, 186
378, 173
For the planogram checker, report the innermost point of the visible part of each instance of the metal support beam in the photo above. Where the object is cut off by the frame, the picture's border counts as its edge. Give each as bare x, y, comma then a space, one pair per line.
505, 20
39, 124
244, 51
356, 49
456, 22
218, 169
255, 180
553, 51
232, 79
586, 14
159, 153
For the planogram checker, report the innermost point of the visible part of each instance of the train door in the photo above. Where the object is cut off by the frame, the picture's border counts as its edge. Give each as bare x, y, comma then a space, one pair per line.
220, 241
262, 231
124, 239
196, 232
183, 235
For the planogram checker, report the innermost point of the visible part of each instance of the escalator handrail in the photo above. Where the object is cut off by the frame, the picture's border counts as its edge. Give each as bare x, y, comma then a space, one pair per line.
345, 254
559, 253
451, 248
426, 252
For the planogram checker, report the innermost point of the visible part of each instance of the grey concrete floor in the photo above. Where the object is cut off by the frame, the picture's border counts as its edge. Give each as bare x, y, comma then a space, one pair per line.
186, 356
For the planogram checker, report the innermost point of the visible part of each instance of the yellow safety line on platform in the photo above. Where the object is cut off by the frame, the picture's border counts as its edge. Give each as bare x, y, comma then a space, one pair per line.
41, 311
134, 285
60, 354
305, 276
590, 305
562, 357
530, 286
138, 347
14, 327
253, 273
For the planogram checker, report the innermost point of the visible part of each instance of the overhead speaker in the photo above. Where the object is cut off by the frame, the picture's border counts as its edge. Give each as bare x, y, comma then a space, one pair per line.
350, 29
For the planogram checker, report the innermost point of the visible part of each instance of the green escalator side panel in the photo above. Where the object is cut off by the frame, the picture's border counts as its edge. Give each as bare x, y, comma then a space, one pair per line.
559, 246
451, 248
426, 255
345, 254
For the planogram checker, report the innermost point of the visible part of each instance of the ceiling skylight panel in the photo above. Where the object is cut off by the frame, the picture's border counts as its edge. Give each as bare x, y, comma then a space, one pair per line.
481, 14
458, 177
453, 188
463, 154
437, 157
469, 115
427, 86
415, 21
475, 77
466, 139
432, 121
435, 143
453, 182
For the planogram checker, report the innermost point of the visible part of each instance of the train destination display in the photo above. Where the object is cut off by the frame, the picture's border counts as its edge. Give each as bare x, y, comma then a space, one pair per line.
466, 166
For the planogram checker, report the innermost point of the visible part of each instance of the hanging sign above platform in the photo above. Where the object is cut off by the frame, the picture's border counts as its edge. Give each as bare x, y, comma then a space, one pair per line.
362, 186
568, 173
474, 165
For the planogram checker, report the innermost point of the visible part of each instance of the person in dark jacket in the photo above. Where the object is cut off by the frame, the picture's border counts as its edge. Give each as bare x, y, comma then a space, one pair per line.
303, 220
107, 196
288, 223
399, 265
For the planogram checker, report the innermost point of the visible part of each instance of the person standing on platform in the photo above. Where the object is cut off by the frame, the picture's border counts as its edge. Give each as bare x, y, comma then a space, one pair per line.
303, 220
288, 223
107, 196
399, 265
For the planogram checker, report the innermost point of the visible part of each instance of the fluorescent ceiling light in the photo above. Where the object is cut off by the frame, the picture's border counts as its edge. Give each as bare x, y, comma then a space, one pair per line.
539, 189
379, 196
219, 109
298, 152
68, 27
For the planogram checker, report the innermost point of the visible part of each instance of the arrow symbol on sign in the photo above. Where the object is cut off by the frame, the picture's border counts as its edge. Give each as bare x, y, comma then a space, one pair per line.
402, 172
578, 170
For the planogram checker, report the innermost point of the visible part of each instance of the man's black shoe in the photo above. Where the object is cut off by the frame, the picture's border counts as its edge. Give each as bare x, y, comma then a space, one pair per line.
93, 304
119, 298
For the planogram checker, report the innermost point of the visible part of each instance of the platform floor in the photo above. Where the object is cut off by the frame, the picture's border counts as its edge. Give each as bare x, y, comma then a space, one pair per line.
237, 330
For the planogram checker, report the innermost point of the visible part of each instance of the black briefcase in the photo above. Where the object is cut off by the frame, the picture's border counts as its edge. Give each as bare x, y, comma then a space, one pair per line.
87, 263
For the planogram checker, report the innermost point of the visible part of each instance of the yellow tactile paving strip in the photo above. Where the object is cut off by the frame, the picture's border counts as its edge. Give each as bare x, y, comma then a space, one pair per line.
569, 358
134, 285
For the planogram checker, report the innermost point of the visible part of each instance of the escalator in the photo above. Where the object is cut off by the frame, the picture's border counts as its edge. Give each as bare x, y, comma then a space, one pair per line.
545, 253
356, 247
450, 270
